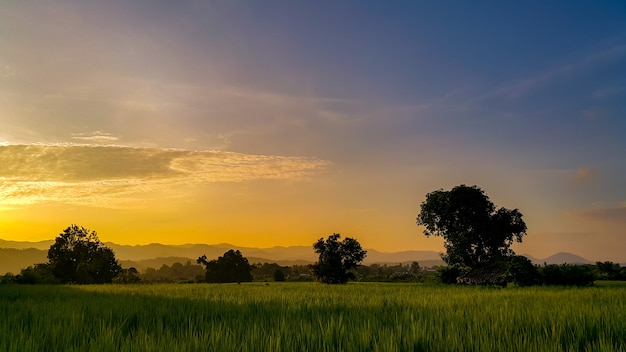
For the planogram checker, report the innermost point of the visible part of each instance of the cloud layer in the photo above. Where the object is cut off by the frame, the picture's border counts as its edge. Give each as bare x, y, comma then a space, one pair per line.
114, 175
615, 214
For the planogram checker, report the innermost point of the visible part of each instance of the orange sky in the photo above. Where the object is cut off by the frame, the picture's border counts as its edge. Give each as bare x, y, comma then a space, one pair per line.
190, 122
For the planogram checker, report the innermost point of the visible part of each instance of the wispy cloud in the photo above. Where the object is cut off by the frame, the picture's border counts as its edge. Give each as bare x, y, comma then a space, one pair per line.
522, 86
615, 214
583, 176
96, 137
115, 176
7, 71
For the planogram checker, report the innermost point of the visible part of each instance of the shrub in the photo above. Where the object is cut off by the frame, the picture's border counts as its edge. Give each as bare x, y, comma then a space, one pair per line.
567, 275
449, 274
279, 275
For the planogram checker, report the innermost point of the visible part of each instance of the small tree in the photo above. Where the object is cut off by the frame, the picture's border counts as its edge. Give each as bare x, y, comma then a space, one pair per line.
37, 274
336, 258
78, 256
475, 232
279, 275
231, 267
128, 276
610, 271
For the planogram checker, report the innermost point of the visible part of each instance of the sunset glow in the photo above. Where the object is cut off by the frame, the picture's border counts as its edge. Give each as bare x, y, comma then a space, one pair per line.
275, 123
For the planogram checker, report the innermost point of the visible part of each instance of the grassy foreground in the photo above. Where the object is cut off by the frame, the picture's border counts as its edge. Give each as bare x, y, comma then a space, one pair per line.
311, 317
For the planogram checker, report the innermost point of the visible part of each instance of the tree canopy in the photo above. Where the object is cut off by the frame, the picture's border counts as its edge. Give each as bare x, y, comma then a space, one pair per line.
475, 232
336, 258
231, 267
78, 256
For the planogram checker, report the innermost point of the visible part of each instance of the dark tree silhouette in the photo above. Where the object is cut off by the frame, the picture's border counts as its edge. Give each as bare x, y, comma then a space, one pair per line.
37, 274
78, 256
336, 258
128, 276
231, 267
610, 271
474, 231
279, 275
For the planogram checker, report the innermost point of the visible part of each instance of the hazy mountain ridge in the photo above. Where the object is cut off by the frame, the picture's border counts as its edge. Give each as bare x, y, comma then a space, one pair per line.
277, 253
561, 258
26, 245
16, 255
13, 260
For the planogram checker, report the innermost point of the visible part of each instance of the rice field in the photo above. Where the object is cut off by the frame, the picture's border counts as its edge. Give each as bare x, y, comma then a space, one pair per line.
311, 317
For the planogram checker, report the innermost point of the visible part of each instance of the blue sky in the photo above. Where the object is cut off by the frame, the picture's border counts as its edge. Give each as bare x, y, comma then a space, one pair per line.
363, 107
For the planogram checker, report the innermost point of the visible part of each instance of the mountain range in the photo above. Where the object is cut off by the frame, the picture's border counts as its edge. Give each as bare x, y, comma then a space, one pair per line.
16, 255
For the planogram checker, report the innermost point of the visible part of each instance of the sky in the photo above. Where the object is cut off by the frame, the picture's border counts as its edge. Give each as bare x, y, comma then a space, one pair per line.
275, 123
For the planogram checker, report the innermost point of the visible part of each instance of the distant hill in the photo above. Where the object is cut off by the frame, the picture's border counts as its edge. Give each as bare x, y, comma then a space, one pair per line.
156, 254
16, 255
560, 258
569, 258
279, 254
13, 260
25, 245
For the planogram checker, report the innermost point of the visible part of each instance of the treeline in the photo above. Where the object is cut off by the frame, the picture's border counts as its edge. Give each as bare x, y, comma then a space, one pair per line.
78, 257
519, 271
267, 272
188, 272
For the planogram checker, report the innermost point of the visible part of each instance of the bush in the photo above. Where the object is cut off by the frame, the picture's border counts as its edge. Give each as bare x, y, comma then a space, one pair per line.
516, 269
567, 275
522, 271
279, 275
449, 274
610, 271
38, 274
8, 278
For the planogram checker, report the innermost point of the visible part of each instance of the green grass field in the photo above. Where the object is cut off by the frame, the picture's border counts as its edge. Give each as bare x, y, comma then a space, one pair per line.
311, 317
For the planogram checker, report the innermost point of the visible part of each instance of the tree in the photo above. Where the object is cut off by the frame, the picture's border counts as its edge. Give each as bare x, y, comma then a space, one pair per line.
267, 271
231, 267
37, 274
279, 275
610, 271
475, 232
78, 256
336, 258
128, 276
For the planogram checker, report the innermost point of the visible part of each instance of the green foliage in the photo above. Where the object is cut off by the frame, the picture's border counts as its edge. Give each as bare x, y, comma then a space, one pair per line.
390, 273
267, 271
7, 278
336, 258
127, 276
178, 272
475, 232
78, 256
518, 270
522, 271
610, 271
310, 317
279, 275
231, 267
567, 275
449, 274
37, 274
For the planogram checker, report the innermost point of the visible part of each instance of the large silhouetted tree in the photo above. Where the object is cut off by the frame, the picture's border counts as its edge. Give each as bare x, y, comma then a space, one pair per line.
475, 232
231, 267
336, 258
78, 256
